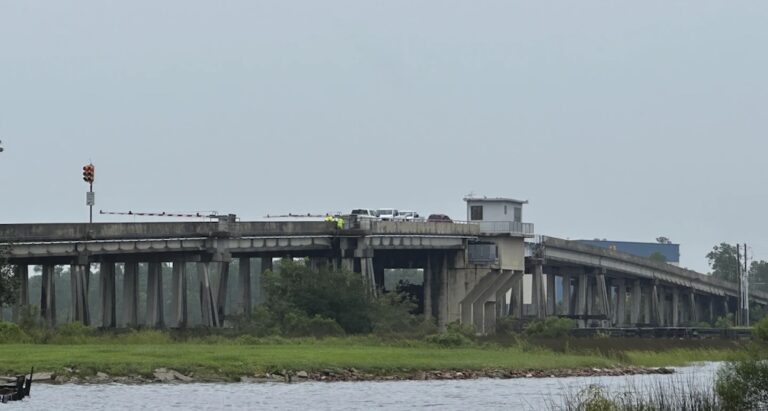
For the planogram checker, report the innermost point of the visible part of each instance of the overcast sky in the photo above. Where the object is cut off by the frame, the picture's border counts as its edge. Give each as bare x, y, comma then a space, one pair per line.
615, 120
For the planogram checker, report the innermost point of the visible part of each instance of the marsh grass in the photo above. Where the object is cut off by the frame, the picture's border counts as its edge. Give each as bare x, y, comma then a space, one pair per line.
673, 394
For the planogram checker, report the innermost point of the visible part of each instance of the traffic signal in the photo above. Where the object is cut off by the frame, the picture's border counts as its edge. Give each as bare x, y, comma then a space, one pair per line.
88, 173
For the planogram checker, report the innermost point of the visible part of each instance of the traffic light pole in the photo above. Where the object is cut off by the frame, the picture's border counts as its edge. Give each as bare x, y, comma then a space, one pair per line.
90, 217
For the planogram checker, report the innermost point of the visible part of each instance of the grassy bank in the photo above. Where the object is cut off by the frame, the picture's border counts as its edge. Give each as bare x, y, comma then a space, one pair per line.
235, 360
232, 358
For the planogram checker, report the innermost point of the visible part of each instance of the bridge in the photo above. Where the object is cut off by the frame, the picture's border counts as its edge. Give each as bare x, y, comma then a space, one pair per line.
471, 273
610, 288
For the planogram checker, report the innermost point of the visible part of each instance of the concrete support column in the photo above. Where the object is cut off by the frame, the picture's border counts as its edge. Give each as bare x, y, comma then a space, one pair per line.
265, 264
551, 295
22, 273
79, 286
428, 313
517, 295
155, 314
602, 294
693, 319
221, 294
656, 306
712, 316
179, 294
107, 292
48, 295
245, 286
131, 294
209, 314
538, 296
675, 306
647, 304
442, 301
621, 299
634, 314
581, 299
566, 283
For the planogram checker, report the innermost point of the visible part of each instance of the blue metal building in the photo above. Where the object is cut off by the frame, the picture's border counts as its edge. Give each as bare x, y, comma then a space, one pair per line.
671, 252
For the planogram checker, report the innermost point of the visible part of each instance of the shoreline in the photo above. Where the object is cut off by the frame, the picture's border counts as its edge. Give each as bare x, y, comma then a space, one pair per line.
170, 376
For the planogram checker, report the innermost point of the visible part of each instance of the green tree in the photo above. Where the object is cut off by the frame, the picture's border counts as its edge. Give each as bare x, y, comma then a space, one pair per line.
758, 275
723, 261
658, 257
9, 282
336, 295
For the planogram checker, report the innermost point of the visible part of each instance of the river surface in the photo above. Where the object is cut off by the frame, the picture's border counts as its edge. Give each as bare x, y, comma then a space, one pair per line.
539, 394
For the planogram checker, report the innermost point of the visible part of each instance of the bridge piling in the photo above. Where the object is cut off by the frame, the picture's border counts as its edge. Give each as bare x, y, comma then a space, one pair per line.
22, 272
131, 293
551, 303
621, 299
582, 303
48, 295
675, 306
442, 301
602, 294
107, 292
244, 269
210, 315
79, 288
427, 287
179, 308
634, 299
565, 281
155, 315
221, 294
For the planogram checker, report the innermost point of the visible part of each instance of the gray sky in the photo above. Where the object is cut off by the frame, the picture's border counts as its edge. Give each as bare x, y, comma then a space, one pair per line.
616, 120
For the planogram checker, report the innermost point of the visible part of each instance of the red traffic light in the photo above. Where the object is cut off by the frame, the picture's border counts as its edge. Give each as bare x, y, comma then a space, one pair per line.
88, 173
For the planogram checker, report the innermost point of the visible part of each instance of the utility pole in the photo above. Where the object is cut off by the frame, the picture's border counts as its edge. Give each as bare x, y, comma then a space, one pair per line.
742, 270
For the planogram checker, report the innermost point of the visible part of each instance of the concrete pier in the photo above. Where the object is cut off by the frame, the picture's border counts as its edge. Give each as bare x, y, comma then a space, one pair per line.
79, 289
22, 273
155, 300
635, 303
48, 295
221, 290
107, 293
179, 307
621, 300
209, 314
566, 283
244, 284
131, 294
551, 295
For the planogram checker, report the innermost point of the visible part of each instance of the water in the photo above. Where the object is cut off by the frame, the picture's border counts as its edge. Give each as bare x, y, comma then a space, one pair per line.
516, 394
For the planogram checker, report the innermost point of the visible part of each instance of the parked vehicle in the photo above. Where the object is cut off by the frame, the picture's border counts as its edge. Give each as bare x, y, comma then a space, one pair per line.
387, 214
439, 218
365, 214
408, 216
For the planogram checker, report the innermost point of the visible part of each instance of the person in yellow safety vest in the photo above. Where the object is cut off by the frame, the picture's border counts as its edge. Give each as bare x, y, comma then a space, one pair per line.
328, 217
339, 223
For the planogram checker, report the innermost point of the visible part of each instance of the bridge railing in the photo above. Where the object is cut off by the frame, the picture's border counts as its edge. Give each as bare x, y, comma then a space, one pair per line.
505, 227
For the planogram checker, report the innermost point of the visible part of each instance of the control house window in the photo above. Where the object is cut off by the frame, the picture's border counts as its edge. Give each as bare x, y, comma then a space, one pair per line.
476, 213
518, 214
